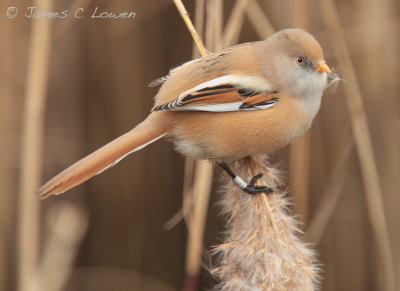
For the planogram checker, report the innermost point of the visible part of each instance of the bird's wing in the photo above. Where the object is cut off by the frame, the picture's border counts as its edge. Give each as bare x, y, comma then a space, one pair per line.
227, 93
163, 79
159, 81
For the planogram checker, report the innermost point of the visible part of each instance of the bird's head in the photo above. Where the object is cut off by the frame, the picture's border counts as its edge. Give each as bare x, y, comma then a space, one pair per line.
296, 63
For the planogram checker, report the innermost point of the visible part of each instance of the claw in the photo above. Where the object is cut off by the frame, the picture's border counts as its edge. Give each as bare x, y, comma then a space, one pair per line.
248, 188
255, 178
253, 190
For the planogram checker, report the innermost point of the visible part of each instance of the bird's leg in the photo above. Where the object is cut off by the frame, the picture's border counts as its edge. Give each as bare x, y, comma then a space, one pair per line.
248, 188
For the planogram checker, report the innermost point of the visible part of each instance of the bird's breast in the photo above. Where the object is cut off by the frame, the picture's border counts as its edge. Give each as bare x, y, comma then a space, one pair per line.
234, 135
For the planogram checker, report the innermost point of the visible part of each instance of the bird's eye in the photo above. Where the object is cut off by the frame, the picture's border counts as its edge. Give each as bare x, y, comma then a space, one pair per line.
300, 60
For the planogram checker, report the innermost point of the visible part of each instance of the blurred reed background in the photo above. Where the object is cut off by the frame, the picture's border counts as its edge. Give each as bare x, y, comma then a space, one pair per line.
70, 85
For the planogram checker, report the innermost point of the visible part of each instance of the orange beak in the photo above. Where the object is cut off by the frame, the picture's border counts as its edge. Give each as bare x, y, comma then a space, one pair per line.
322, 67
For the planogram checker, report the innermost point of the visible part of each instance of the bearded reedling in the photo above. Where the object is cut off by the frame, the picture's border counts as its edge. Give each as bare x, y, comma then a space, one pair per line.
252, 98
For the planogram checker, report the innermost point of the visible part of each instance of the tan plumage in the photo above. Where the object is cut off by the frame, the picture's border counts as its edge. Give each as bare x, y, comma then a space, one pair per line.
103, 158
234, 135
248, 99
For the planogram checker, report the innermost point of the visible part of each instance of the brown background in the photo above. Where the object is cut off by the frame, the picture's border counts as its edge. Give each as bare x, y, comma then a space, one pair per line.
97, 90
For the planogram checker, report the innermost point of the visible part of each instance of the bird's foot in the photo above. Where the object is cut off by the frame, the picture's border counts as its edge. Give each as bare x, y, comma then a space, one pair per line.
254, 189
248, 188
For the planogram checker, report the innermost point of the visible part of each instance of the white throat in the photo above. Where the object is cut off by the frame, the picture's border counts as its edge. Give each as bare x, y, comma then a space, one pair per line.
307, 89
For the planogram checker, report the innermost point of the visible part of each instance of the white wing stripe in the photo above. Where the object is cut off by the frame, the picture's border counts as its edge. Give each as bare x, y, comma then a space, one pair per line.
224, 107
251, 82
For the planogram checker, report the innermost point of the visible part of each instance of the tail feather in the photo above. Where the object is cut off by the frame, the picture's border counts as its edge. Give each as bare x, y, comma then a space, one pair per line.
102, 159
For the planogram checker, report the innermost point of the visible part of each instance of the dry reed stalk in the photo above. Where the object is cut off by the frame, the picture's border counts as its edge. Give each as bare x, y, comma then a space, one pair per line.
187, 201
217, 26
185, 15
300, 18
363, 144
184, 212
67, 226
194, 249
201, 188
261, 249
299, 175
190, 164
188, 188
299, 161
233, 25
66, 26
211, 24
203, 173
332, 191
31, 147
258, 19
9, 123
228, 37
199, 24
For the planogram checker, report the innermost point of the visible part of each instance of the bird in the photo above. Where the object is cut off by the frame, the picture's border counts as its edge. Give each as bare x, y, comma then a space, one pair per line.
252, 98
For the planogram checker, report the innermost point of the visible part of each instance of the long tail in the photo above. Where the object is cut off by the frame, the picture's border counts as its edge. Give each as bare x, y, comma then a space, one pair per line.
107, 156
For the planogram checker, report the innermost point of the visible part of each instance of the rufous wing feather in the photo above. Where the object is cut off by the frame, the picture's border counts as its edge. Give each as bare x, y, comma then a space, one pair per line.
223, 94
103, 158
